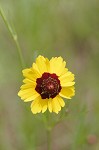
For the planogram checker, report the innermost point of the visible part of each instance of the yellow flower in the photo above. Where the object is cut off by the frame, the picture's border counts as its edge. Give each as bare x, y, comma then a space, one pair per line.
45, 83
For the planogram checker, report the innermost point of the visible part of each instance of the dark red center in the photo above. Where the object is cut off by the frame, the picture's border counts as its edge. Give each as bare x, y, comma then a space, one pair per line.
48, 86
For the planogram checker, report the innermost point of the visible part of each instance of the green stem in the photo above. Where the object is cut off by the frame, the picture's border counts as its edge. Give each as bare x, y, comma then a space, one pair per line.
48, 139
14, 36
48, 127
48, 132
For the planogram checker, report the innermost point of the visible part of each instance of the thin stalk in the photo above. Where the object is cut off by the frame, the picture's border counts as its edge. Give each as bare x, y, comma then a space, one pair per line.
14, 36
48, 127
48, 132
48, 139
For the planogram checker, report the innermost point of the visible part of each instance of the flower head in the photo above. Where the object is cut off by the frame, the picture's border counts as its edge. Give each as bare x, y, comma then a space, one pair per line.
46, 83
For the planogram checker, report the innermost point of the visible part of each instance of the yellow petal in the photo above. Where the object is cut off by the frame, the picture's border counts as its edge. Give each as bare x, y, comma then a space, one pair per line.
28, 94
36, 74
42, 64
57, 65
32, 97
25, 71
56, 105
65, 70
50, 104
28, 81
60, 100
68, 75
31, 74
66, 79
36, 106
67, 92
35, 67
26, 91
27, 86
44, 103
68, 84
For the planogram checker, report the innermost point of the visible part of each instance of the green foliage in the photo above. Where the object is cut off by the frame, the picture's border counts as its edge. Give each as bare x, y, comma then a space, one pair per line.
52, 28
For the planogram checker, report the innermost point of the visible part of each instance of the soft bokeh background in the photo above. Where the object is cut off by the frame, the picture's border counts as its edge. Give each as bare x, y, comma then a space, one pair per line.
67, 28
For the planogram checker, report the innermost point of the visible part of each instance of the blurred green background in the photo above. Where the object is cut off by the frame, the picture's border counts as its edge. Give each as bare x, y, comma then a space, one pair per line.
67, 28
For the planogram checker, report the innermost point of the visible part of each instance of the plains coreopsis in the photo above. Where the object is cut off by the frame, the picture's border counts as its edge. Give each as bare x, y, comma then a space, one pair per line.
46, 83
